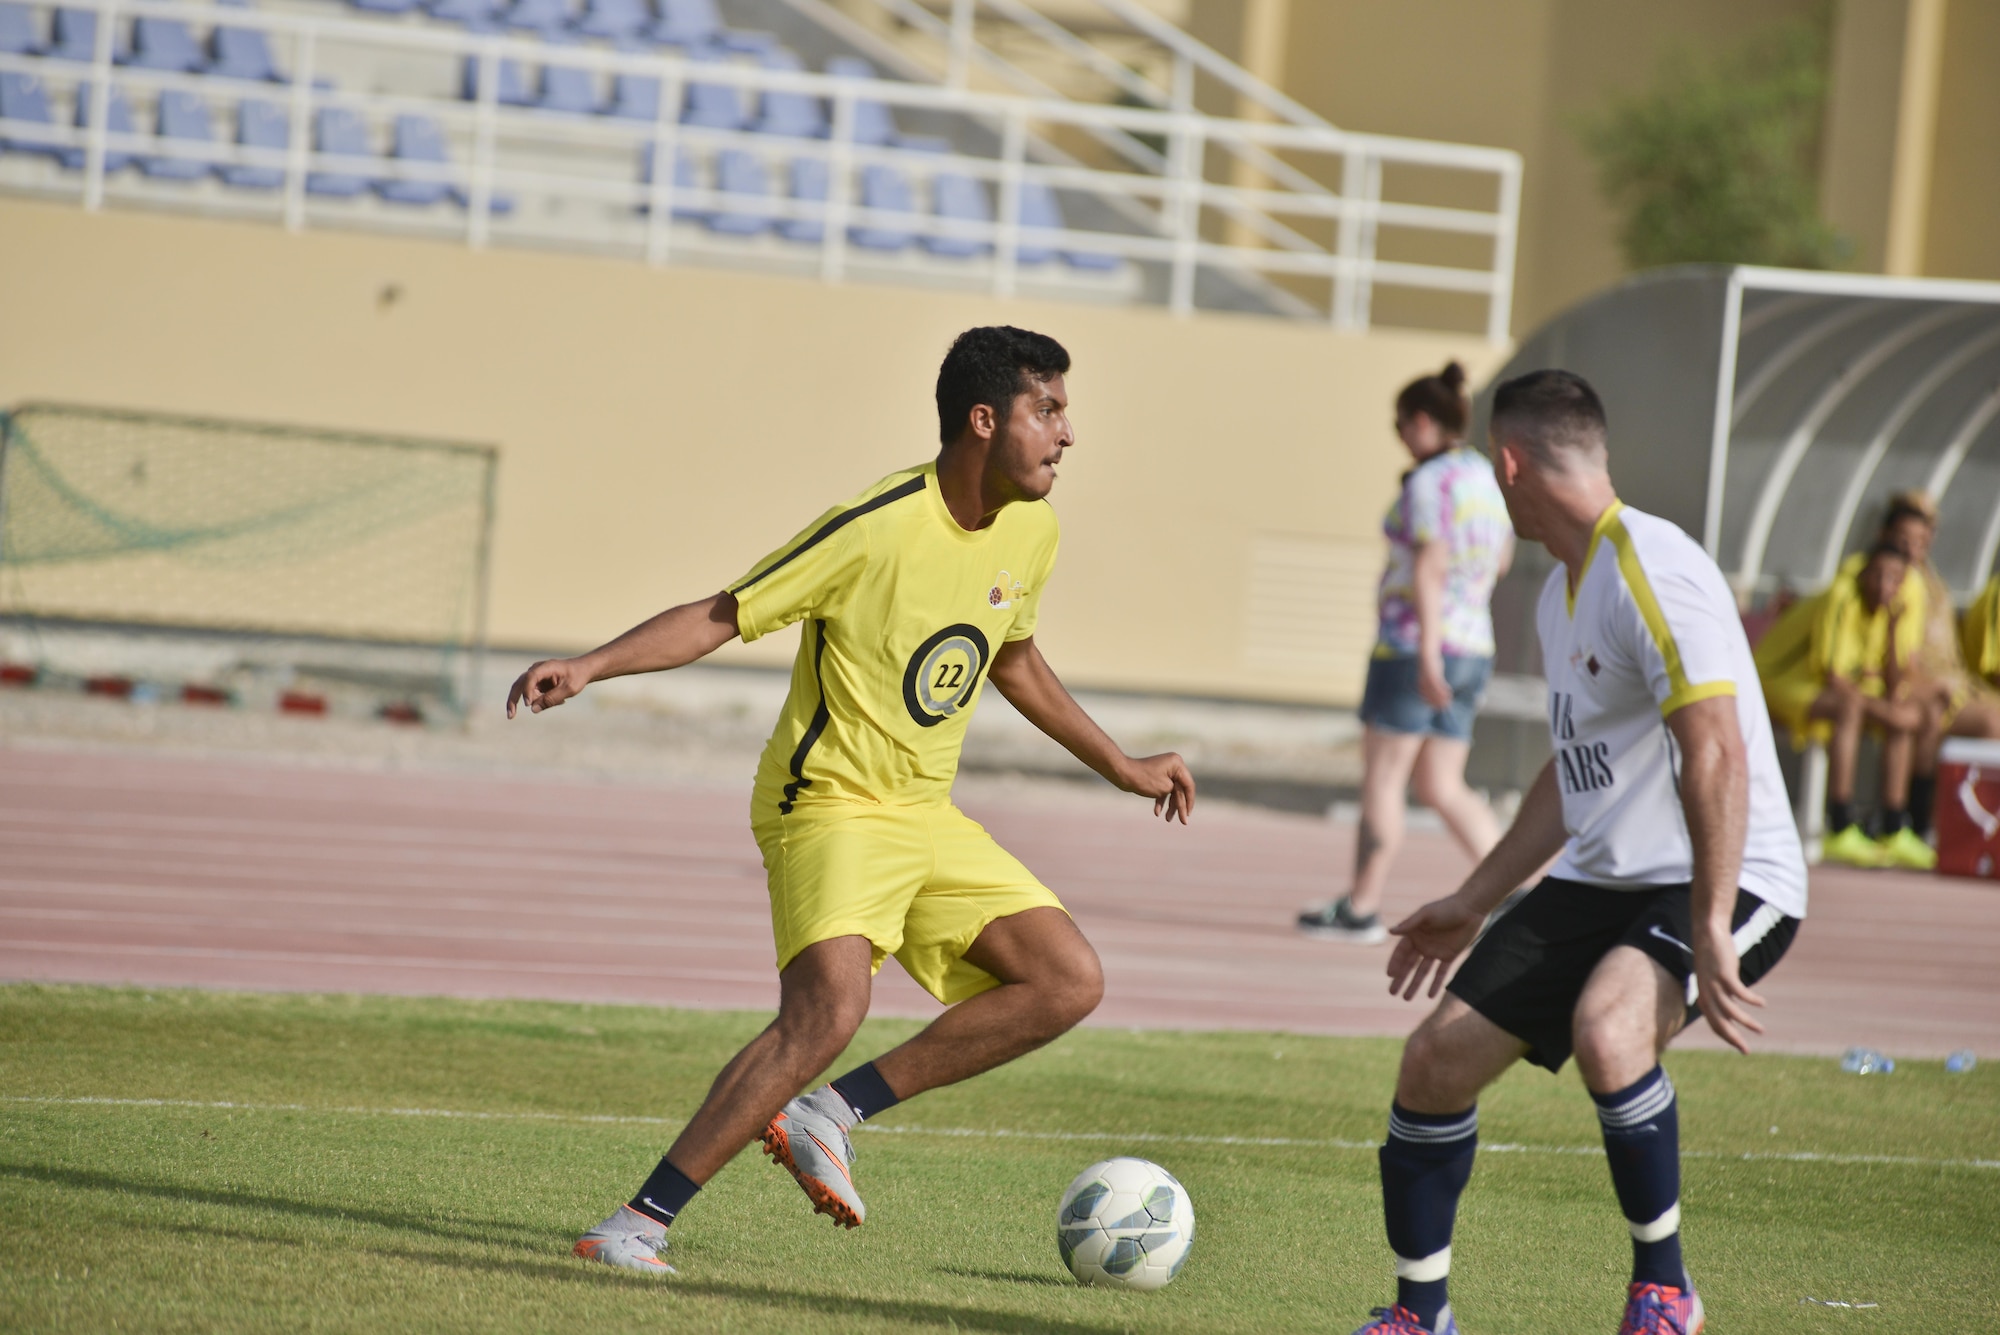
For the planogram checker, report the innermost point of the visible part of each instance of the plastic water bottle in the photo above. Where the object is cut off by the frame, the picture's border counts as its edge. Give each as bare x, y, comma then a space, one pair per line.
1866, 1061
1961, 1061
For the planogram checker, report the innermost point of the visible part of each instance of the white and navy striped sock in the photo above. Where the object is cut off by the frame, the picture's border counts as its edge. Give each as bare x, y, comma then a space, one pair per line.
1642, 1143
1425, 1164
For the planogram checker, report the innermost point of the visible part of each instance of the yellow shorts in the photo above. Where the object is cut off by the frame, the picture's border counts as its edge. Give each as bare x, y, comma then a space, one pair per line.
920, 883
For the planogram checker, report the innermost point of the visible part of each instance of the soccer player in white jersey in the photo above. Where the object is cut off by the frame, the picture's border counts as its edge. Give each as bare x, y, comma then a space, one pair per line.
1680, 880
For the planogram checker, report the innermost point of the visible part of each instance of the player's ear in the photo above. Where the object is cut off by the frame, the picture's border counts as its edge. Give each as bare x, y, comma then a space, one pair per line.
983, 421
1507, 461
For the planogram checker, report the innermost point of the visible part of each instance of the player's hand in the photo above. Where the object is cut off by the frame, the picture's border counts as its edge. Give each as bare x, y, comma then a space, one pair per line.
1431, 685
1428, 941
1165, 779
547, 684
1719, 989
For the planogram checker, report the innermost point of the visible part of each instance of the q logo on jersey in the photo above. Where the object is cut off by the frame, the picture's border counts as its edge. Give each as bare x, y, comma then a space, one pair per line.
943, 673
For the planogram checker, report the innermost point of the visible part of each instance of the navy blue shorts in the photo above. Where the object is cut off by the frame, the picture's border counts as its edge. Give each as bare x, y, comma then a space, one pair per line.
1391, 701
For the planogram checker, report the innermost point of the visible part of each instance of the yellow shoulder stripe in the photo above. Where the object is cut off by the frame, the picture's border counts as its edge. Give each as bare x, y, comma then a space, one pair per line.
1682, 691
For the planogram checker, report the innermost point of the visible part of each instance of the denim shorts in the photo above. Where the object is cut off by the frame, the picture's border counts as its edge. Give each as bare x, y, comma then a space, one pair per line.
1392, 703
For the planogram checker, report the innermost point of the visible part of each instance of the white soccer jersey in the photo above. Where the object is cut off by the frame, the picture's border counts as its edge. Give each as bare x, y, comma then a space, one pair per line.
1653, 627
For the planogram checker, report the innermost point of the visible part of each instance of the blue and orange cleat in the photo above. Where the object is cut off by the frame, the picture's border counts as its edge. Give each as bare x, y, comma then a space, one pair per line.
1661, 1309
1402, 1321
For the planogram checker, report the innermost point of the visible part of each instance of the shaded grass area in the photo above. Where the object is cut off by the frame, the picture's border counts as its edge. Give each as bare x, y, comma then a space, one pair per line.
340, 1214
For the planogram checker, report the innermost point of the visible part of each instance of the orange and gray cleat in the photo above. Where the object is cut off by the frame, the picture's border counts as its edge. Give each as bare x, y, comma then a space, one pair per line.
1661, 1309
627, 1240
813, 1146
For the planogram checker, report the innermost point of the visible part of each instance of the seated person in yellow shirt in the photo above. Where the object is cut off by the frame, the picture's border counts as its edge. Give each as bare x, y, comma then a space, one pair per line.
1979, 635
1832, 666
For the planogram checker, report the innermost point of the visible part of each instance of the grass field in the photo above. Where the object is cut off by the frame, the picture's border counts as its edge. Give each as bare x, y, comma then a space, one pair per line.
423, 1165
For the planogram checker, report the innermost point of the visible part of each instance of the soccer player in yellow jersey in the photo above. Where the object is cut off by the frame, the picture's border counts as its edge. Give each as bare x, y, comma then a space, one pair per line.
914, 594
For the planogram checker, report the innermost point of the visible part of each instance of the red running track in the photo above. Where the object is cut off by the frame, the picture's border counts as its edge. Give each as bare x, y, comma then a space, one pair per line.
143, 868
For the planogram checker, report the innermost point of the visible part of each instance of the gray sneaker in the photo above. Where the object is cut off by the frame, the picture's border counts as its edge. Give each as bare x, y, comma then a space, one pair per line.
627, 1240
813, 1146
1338, 921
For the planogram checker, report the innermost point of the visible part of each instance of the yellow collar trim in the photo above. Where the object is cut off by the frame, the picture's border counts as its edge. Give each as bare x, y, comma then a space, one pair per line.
1598, 533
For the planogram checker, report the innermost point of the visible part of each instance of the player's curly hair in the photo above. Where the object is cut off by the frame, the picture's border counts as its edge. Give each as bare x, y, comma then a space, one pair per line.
992, 365
1440, 397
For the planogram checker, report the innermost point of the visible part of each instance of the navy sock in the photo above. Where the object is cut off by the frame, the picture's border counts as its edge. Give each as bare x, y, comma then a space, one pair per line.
1425, 1165
1839, 815
665, 1194
1642, 1140
1894, 819
1923, 799
866, 1092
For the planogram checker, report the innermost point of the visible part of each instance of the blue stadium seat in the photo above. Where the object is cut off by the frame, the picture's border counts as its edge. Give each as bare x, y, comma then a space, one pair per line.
738, 172
117, 119
695, 24
76, 37
1040, 209
799, 115
888, 189
19, 34
513, 88
569, 88
686, 177
341, 131
242, 53
713, 106
165, 44
259, 124
180, 116
23, 97
634, 97
614, 18
541, 16
963, 198
385, 6
809, 181
472, 13
873, 122
416, 139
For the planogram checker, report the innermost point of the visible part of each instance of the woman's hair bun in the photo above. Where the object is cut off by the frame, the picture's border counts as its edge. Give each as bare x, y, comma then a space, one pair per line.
1453, 376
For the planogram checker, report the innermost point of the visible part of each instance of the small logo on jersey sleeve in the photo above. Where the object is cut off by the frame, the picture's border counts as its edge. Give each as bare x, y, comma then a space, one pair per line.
1006, 591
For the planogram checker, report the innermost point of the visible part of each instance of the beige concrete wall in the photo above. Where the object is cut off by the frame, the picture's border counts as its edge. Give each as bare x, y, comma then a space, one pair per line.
661, 429
1964, 230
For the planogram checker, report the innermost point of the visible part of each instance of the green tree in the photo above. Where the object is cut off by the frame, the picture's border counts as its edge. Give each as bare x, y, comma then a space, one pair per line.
1718, 160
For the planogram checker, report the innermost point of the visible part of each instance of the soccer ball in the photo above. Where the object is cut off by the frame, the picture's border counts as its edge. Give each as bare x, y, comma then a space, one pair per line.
1125, 1224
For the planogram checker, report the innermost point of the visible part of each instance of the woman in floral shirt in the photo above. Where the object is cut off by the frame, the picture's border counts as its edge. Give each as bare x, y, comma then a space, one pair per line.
1449, 542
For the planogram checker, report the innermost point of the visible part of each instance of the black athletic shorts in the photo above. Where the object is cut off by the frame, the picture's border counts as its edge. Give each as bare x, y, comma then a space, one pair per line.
1528, 971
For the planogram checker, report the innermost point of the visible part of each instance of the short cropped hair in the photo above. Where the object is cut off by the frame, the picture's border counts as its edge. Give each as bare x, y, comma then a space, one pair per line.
992, 365
1887, 548
1551, 413
1440, 397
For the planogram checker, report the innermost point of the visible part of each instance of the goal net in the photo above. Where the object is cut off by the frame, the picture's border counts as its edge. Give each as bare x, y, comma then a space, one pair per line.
356, 558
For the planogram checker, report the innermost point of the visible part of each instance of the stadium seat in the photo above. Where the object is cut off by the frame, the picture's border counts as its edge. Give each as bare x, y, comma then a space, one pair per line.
541, 16
117, 119
416, 139
887, 189
513, 84
962, 198
342, 132
634, 97
472, 13
76, 37
569, 88
19, 35
1040, 209
809, 181
798, 115
685, 178
695, 25
873, 121
614, 18
259, 124
713, 106
23, 97
739, 172
242, 53
181, 116
165, 44
385, 6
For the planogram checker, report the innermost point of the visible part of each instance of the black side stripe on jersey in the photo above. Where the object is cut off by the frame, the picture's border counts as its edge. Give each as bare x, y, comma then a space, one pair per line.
835, 524
821, 717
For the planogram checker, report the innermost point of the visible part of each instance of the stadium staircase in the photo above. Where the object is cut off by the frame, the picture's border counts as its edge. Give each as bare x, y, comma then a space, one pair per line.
980, 145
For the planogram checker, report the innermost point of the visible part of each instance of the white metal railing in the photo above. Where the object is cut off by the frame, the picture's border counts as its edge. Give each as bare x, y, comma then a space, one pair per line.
548, 160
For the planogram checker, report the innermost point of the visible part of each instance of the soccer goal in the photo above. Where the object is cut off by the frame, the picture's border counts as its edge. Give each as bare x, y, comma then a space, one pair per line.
234, 558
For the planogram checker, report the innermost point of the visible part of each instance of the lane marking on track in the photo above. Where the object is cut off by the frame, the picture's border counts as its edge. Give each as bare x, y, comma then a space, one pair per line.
1003, 1133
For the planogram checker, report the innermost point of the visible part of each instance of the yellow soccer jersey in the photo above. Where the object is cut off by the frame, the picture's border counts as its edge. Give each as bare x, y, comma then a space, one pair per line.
904, 611
1980, 632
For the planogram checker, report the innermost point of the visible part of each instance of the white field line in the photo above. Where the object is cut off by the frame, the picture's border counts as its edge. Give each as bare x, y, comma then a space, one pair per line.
1001, 1133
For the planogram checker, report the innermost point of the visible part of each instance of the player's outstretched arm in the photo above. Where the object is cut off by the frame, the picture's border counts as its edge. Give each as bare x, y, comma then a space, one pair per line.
1431, 938
1022, 675
674, 638
1715, 795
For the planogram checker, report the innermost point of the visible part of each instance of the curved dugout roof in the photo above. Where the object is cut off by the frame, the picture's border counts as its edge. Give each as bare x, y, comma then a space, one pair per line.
1771, 413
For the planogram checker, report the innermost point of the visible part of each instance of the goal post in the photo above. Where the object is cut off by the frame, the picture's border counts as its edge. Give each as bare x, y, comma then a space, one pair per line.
363, 557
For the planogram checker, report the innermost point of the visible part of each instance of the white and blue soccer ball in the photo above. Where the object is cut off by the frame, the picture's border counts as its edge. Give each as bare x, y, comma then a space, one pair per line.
1125, 1224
